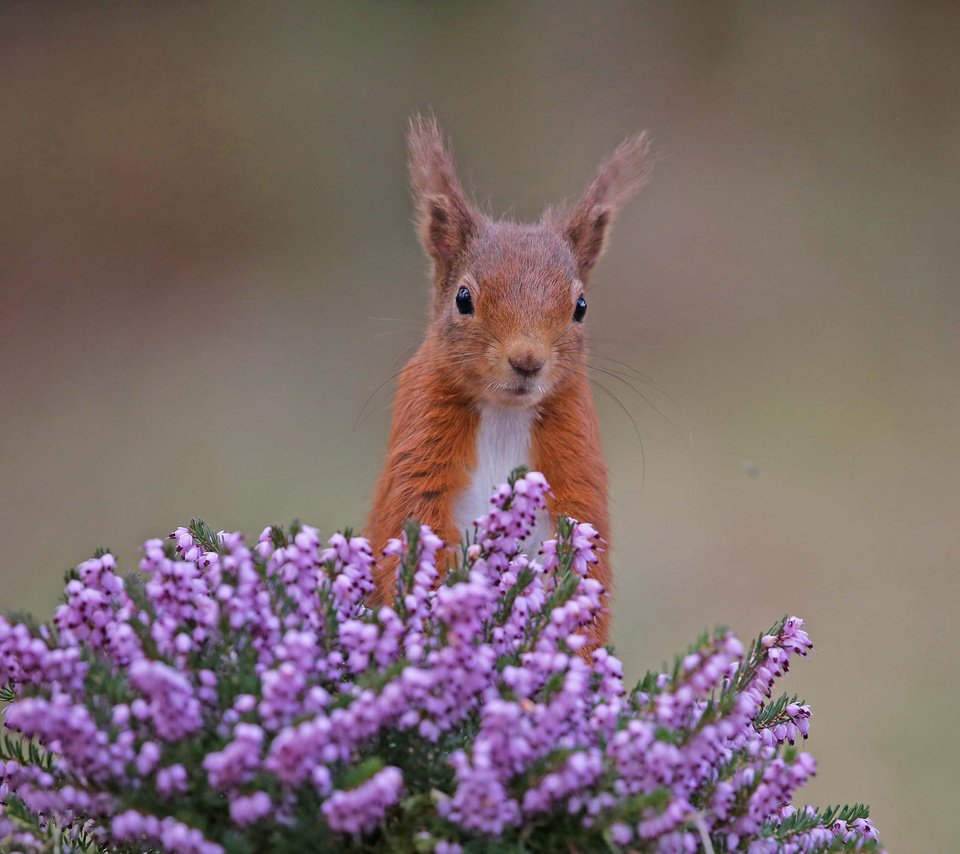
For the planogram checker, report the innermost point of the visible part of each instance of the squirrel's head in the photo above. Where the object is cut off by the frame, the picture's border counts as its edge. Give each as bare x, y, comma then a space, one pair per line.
510, 299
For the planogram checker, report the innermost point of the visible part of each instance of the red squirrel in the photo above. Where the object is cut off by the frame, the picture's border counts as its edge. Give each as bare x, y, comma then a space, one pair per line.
500, 378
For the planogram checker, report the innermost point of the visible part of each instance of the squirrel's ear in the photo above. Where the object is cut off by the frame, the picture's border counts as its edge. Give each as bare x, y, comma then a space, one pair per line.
446, 219
619, 178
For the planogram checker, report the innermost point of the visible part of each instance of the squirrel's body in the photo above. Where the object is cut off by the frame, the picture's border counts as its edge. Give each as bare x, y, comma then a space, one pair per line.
500, 379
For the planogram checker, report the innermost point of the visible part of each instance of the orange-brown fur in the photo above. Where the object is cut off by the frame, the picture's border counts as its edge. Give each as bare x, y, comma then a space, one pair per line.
520, 347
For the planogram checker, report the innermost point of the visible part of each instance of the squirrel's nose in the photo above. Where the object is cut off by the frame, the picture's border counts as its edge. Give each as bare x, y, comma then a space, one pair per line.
526, 364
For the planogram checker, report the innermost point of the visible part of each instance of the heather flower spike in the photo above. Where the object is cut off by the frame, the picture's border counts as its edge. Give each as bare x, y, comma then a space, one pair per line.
237, 698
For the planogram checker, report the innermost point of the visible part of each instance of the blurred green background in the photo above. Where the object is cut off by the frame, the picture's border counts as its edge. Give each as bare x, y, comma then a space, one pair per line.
207, 267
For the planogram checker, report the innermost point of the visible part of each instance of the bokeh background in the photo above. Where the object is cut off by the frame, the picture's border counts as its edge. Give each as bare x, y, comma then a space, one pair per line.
207, 269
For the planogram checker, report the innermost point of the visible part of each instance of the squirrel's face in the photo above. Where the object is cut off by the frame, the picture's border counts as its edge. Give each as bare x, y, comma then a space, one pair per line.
510, 322
509, 299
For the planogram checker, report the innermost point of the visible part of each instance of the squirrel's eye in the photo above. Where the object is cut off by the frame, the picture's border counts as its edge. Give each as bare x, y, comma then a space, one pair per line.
580, 309
464, 301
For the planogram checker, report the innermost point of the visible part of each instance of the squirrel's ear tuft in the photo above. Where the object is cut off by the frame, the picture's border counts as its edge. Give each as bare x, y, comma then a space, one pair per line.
446, 219
619, 178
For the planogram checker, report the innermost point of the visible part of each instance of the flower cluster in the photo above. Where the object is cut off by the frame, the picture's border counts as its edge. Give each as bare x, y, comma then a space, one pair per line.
238, 698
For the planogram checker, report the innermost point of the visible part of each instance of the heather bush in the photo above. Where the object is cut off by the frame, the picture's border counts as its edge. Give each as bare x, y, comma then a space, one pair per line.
241, 698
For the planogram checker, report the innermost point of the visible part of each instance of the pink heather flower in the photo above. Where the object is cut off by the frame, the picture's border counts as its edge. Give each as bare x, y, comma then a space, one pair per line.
174, 836
580, 770
148, 758
586, 543
171, 704
481, 801
779, 781
172, 780
29, 660
621, 833
283, 687
84, 748
350, 563
236, 763
297, 748
181, 595
98, 610
358, 810
659, 824
248, 809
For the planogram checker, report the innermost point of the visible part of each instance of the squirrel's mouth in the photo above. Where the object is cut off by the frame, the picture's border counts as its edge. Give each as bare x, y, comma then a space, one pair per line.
518, 393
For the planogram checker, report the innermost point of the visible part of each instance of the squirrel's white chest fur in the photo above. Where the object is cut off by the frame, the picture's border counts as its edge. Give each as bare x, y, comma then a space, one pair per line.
503, 443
